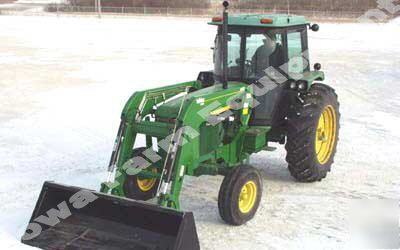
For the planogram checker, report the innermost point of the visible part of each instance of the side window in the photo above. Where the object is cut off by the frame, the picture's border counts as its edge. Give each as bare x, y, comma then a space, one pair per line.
234, 41
233, 49
295, 49
233, 57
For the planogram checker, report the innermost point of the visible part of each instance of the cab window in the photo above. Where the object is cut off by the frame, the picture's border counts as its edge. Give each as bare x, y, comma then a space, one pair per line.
234, 41
296, 64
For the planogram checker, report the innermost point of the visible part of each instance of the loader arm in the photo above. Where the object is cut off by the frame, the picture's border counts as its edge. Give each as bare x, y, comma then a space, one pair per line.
152, 97
192, 158
139, 105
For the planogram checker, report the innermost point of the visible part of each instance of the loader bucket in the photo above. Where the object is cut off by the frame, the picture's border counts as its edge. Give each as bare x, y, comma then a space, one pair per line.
68, 217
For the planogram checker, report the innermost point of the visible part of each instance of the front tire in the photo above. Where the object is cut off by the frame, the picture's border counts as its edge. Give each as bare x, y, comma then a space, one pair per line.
138, 188
240, 195
313, 132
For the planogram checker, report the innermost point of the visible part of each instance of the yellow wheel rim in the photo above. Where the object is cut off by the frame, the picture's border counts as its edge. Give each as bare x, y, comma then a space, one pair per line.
326, 134
146, 184
247, 197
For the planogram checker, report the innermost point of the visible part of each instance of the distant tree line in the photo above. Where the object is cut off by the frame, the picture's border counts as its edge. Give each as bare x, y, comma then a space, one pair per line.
332, 6
145, 3
318, 5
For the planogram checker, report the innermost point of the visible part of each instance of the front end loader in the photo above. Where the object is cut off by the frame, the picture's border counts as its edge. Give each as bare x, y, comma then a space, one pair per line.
261, 91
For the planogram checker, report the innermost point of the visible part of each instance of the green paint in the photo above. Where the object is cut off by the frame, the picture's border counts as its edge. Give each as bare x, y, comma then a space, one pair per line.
253, 20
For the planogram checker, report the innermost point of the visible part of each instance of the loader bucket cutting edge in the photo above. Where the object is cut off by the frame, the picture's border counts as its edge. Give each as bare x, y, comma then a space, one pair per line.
107, 222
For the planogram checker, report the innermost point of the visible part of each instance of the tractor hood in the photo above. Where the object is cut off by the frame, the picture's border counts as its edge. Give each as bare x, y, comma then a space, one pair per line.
170, 109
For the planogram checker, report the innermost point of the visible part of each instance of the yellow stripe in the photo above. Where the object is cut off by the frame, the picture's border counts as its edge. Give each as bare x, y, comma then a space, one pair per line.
220, 110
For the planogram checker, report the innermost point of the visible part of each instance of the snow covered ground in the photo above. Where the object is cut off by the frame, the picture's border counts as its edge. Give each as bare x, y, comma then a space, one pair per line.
63, 82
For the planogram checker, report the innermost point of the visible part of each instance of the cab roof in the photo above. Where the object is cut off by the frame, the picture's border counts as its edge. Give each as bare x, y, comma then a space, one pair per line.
269, 20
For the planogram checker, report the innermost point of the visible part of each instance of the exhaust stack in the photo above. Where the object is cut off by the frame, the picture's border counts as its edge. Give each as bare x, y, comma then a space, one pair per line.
225, 45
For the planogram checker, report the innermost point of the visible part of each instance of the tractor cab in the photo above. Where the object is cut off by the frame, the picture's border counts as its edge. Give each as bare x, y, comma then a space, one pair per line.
270, 51
258, 42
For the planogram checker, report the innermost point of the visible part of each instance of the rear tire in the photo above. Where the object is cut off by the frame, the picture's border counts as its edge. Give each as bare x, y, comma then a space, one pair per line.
312, 136
240, 195
137, 188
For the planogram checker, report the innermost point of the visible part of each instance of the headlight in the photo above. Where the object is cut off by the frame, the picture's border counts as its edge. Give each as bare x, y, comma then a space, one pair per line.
293, 85
302, 85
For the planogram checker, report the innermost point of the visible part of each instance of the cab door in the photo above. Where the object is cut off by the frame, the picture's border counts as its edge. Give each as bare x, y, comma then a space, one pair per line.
274, 104
297, 52
263, 113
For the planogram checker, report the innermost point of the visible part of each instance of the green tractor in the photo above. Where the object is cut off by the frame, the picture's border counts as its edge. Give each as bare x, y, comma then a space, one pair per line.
261, 91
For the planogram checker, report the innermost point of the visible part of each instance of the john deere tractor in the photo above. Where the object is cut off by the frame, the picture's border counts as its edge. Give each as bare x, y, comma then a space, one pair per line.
261, 91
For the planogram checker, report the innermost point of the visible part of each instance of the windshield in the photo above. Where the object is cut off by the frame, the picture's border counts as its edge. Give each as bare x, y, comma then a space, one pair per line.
234, 41
262, 50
